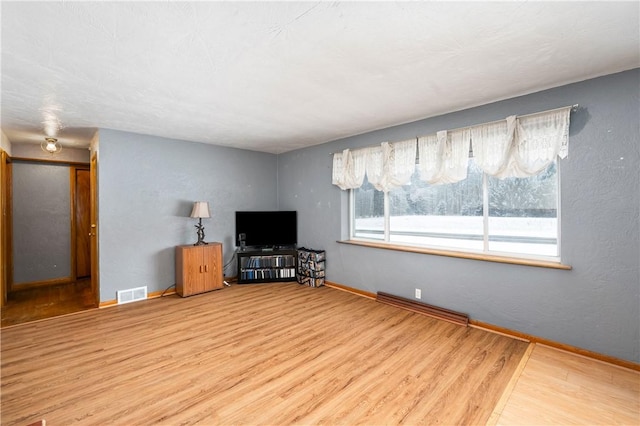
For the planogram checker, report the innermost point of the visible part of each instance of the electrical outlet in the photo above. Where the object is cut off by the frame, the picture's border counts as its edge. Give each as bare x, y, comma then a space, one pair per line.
418, 293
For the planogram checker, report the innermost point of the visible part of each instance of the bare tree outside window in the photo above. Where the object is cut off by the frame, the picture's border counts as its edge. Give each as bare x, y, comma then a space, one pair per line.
521, 219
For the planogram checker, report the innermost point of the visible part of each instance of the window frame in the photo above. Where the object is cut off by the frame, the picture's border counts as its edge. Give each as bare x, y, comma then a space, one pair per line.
485, 253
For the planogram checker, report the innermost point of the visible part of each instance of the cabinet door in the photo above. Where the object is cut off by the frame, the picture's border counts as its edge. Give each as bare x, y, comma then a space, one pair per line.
212, 261
193, 271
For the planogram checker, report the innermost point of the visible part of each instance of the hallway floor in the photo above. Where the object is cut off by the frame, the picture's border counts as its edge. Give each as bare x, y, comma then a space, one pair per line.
46, 302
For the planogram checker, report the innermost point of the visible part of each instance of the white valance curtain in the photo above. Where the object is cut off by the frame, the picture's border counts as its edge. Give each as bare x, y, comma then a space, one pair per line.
492, 145
521, 146
391, 164
349, 168
513, 147
387, 166
444, 156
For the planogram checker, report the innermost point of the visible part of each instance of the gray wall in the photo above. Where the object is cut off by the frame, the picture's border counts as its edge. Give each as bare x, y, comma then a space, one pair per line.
41, 222
147, 186
595, 306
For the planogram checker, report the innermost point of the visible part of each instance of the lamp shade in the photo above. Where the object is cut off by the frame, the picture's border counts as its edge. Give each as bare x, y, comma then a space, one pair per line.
200, 209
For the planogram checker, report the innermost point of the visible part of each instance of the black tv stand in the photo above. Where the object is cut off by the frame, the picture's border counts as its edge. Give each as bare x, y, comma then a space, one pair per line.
266, 264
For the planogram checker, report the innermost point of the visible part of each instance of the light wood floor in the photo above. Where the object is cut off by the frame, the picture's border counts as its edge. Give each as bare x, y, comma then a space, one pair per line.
273, 354
557, 388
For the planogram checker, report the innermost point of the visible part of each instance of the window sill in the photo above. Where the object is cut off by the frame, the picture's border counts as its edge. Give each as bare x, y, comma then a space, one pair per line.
462, 255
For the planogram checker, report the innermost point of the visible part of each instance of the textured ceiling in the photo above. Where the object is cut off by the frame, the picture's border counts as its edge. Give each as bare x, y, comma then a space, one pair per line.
277, 76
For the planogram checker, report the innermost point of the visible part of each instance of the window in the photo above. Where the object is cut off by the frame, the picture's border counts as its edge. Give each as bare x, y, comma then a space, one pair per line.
512, 216
490, 188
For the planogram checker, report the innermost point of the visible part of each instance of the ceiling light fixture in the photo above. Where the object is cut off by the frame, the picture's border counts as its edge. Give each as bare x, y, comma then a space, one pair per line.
51, 145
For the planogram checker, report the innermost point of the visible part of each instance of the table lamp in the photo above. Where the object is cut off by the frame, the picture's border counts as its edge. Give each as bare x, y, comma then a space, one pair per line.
200, 210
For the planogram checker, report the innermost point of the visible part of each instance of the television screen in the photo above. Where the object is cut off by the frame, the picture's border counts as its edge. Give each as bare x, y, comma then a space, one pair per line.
267, 228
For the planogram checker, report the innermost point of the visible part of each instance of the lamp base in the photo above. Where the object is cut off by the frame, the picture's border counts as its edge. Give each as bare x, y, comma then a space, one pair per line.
200, 231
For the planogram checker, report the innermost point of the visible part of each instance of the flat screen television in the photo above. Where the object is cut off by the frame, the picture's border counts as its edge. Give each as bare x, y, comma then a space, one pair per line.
262, 229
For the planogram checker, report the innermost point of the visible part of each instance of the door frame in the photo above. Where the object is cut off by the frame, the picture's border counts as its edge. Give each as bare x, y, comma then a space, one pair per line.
93, 202
6, 257
7, 234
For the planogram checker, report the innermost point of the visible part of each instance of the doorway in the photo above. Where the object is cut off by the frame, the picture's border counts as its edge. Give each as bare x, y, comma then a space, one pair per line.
49, 250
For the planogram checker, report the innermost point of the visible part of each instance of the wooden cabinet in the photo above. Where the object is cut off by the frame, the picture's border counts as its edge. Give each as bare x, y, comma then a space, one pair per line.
198, 269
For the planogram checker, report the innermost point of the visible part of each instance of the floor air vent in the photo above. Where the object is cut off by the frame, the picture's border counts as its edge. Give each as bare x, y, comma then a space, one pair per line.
132, 295
423, 308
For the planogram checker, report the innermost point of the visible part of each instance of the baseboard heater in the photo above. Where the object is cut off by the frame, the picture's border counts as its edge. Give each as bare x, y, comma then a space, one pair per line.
423, 308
